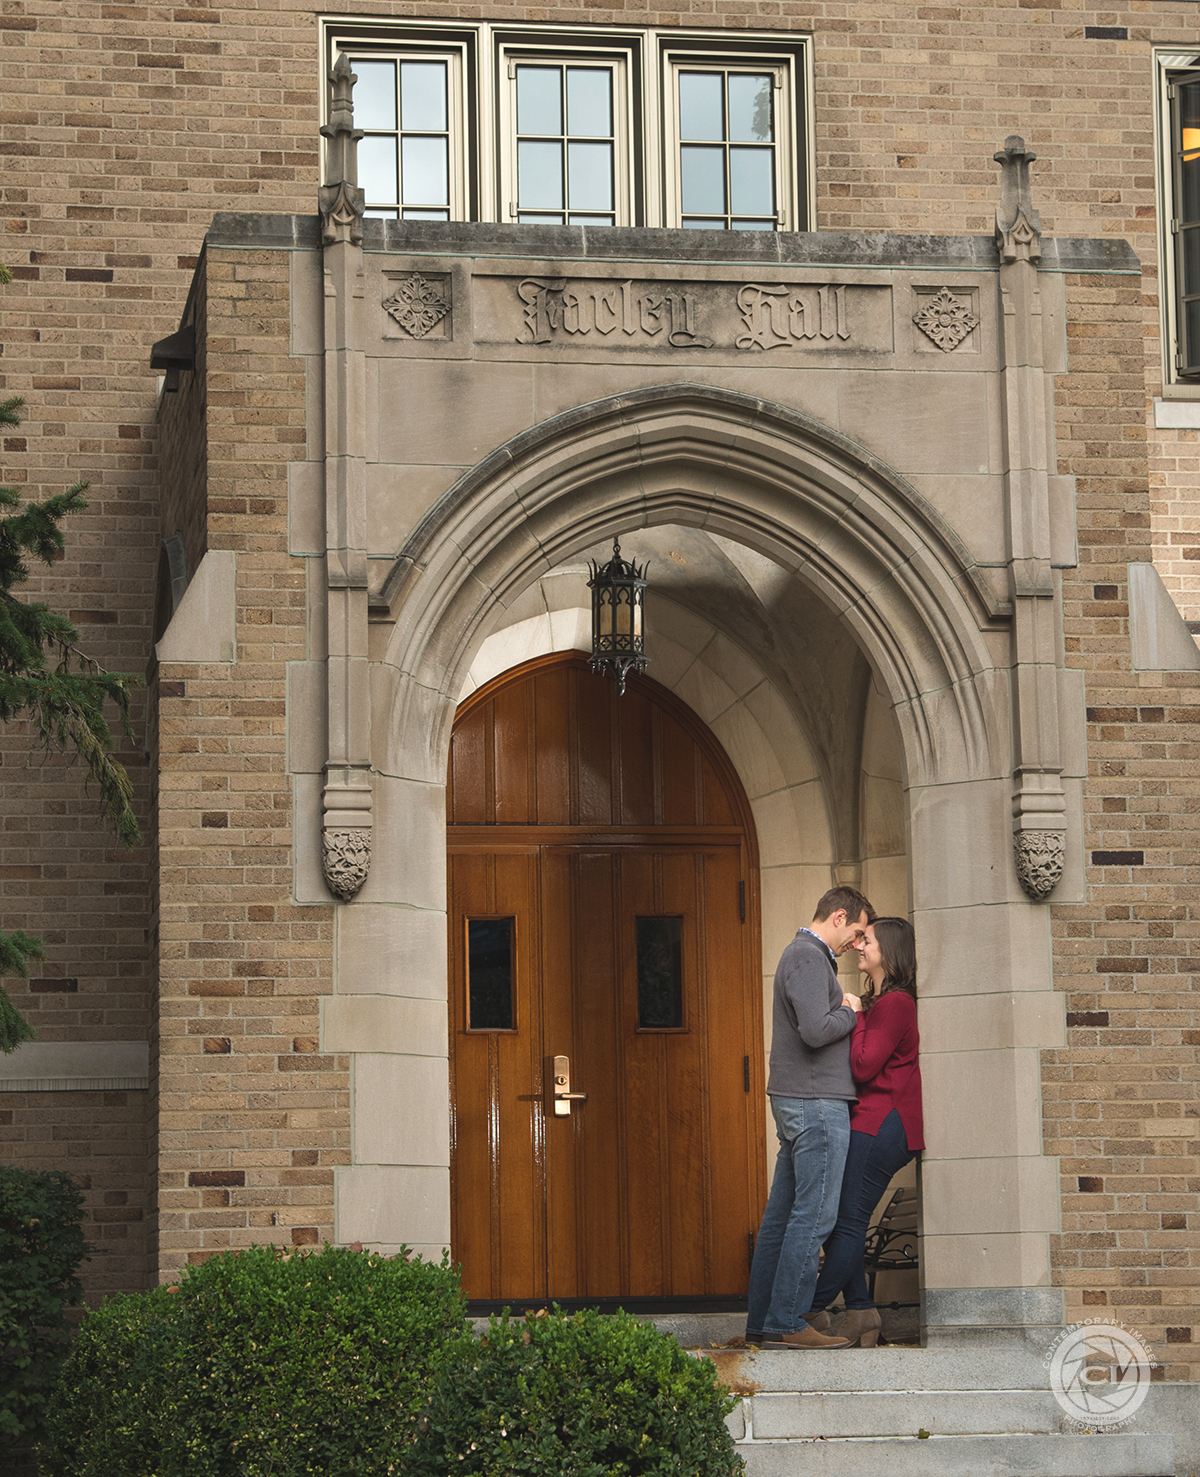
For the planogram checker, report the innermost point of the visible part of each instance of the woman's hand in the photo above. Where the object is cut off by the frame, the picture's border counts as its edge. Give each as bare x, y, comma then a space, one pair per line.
852, 1001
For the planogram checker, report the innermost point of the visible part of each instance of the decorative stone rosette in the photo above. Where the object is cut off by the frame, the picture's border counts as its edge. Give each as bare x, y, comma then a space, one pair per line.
418, 305
347, 857
945, 320
1040, 858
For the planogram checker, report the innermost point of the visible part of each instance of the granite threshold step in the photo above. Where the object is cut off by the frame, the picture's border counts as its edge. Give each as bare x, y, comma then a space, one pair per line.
1005, 1454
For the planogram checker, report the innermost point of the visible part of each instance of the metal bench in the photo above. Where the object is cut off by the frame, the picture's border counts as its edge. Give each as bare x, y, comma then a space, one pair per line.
892, 1240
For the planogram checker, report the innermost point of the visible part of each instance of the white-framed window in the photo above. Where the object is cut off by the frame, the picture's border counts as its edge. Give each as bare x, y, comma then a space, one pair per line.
1179, 216
729, 148
581, 125
565, 138
409, 159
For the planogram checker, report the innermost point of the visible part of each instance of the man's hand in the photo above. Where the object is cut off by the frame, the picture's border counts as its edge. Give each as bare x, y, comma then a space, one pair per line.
852, 1001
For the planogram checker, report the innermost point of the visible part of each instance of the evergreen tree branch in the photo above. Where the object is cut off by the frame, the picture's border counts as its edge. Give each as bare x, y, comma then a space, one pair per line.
65, 700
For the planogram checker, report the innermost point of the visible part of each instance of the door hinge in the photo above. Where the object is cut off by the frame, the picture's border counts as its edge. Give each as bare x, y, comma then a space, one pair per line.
746, 1073
750, 1247
742, 901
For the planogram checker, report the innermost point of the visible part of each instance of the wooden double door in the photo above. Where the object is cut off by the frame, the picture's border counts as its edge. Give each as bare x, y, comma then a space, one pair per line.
603, 904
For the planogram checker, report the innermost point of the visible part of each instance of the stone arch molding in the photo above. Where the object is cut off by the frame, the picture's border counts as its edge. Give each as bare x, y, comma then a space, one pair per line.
777, 481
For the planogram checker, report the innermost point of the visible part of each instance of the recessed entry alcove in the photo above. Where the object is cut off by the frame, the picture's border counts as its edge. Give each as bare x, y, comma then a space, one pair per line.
784, 696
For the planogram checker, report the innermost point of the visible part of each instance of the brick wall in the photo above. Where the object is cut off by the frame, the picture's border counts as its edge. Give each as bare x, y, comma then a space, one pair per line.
252, 1118
1115, 1099
125, 127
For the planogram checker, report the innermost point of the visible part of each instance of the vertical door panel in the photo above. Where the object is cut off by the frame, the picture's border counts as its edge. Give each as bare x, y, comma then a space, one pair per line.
551, 733
512, 755
737, 1131
498, 1151
468, 788
594, 751
687, 1123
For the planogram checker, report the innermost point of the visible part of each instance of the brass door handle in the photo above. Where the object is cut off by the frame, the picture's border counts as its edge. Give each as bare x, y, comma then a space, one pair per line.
563, 1097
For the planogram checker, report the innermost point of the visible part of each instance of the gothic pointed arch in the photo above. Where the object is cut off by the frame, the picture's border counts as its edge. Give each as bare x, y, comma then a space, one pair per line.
820, 506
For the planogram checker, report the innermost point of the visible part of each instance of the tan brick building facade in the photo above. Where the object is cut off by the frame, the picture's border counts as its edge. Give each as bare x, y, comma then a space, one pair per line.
216, 950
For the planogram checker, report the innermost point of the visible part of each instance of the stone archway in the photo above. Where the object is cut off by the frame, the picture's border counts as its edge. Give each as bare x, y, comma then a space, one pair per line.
936, 635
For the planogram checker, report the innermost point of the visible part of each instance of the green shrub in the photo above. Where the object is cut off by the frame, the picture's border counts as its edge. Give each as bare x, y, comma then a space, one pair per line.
41, 1249
577, 1395
262, 1361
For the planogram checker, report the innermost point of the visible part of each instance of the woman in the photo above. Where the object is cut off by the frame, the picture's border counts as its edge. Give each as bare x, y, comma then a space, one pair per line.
885, 1124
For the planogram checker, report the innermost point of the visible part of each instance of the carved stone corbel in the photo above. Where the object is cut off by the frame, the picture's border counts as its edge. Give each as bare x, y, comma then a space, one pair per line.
339, 198
1018, 225
1040, 858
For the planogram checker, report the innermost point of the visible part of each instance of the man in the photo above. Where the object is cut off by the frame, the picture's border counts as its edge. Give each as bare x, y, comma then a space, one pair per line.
811, 1090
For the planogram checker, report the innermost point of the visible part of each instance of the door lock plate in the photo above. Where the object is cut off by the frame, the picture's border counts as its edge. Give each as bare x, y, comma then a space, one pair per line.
562, 1096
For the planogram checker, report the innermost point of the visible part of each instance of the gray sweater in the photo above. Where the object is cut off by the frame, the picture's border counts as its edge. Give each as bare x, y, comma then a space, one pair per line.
810, 1030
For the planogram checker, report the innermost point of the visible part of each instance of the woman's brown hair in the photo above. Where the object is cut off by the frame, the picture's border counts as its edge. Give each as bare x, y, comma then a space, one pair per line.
898, 949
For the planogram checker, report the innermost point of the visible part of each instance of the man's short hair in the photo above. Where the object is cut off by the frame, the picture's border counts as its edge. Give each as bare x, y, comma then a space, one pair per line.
848, 898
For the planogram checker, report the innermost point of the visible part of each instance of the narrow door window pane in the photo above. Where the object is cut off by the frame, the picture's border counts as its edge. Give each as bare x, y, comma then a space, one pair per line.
660, 973
374, 94
377, 168
539, 100
750, 120
589, 102
423, 97
701, 106
490, 974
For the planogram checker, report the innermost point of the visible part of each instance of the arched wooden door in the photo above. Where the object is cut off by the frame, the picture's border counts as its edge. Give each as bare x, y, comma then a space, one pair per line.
603, 906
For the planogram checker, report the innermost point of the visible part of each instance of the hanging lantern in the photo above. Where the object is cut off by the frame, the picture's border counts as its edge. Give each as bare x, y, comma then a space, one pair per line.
618, 633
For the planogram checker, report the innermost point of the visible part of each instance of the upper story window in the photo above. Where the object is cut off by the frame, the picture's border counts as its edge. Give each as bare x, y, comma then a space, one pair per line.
580, 125
566, 149
1179, 98
726, 149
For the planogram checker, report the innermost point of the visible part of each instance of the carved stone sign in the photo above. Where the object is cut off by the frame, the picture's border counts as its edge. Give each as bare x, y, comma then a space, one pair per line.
602, 308
669, 315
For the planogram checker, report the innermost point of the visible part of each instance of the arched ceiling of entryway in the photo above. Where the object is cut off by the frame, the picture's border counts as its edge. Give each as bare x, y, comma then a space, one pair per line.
770, 489
778, 623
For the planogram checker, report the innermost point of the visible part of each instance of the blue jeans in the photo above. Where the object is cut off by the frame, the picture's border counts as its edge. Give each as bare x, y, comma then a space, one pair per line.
870, 1165
814, 1134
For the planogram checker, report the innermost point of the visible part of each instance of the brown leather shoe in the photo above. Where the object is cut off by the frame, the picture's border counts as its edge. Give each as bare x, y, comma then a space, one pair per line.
815, 1318
806, 1338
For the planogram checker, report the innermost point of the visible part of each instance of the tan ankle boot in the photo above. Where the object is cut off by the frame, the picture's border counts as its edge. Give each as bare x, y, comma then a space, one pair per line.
817, 1318
861, 1327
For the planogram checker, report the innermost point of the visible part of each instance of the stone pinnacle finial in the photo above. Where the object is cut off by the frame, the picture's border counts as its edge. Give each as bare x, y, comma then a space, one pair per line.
1018, 225
340, 200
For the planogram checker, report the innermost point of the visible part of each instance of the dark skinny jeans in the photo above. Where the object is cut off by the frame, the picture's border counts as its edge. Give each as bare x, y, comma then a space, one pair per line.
870, 1164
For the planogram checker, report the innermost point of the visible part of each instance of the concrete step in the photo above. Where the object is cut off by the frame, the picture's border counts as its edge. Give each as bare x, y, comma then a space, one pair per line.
784, 1416
1004, 1367
1008, 1455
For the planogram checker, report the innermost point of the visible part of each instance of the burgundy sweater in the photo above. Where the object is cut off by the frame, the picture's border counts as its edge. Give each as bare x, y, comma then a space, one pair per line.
883, 1059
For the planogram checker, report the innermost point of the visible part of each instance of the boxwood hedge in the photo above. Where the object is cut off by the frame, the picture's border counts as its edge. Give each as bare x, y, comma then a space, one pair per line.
576, 1395
259, 1362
